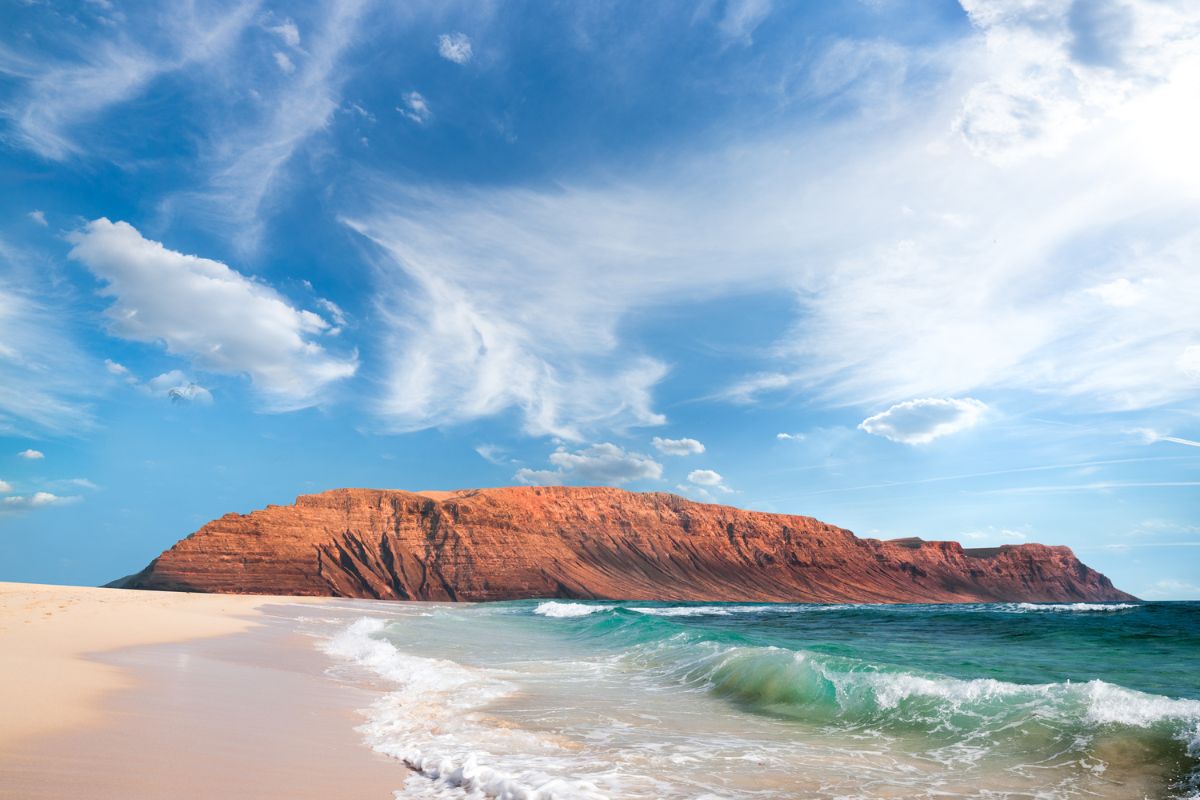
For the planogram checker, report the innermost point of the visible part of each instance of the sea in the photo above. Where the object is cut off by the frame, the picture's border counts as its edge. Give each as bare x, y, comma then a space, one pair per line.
536, 700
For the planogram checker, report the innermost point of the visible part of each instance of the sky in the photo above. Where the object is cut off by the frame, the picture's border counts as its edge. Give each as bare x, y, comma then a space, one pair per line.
913, 268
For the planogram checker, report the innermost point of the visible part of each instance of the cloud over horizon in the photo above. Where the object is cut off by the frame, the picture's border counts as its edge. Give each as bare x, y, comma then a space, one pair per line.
603, 464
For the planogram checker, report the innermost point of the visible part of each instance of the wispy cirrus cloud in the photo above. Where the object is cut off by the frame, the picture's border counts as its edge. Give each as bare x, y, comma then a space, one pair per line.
244, 161
1150, 436
46, 380
111, 66
909, 281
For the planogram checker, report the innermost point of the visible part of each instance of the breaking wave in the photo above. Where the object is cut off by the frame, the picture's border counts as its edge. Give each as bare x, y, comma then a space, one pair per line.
432, 721
555, 608
1068, 607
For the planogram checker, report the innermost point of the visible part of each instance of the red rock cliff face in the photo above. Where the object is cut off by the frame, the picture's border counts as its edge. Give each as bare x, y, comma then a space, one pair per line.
503, 544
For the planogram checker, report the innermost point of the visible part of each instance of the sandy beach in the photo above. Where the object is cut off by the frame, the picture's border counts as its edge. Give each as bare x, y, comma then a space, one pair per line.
110, 693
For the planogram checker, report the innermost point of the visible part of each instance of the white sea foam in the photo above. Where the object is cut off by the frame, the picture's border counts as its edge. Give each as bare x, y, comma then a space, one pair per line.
556, 608
1071, 607
432, 721
696, 611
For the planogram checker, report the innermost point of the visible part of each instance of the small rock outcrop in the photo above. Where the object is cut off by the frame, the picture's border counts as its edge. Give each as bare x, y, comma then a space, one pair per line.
524, 542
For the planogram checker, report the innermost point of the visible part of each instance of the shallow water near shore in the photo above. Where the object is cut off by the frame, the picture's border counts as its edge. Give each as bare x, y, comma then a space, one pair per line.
561, 699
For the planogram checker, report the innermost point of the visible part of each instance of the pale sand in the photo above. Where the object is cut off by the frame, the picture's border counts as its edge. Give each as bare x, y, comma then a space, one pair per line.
108, 693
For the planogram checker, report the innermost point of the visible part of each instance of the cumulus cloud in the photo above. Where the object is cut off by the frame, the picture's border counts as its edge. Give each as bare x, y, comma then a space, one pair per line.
178, 388
677, 447
5, 487
603, 464
415, 108
922, 421
39, 217
702, 483
455, 47
790, 437
705, 477
210, 313
32, 455
37, 500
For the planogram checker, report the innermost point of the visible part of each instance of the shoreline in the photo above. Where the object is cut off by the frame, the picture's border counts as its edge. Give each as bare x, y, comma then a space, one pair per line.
113, 693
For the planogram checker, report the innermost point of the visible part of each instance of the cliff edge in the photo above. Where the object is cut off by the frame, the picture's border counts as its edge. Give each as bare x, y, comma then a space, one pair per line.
565, 542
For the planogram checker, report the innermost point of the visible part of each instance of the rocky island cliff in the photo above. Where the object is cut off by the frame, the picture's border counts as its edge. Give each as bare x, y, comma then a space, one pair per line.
523, 542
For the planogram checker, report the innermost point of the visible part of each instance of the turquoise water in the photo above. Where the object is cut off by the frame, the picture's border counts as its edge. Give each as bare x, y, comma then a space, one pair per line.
561, 699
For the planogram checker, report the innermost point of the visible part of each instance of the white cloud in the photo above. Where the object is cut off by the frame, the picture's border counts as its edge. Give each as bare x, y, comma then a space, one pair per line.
1189, 361
284, 63
910, 281
245, 162
39, 217
203, 310
1150, 436
5, 487
790, 437
921, 421
32, 455
44, 377
474, 332
677, 447
705, 477
747, 390
494, 454
1162, 527
603, 464
178, 388
1054, 69
120, 371
455, 47
37, 500
55, 97
1120, 293
288, 32
994, 536
335, 313
741, 18
415, 108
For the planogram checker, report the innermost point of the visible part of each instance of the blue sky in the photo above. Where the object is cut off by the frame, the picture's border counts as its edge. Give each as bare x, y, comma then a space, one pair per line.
917, 269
